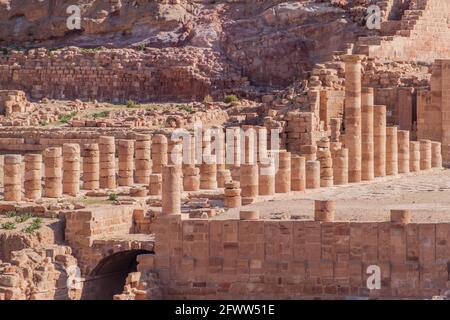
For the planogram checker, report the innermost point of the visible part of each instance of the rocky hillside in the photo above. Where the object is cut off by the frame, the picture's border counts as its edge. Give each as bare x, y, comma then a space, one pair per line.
272, 42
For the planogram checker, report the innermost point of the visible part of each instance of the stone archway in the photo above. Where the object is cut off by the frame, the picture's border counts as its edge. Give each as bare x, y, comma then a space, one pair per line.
108, 277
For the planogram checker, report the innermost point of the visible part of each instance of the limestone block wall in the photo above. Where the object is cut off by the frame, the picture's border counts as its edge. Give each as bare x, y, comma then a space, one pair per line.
262, 259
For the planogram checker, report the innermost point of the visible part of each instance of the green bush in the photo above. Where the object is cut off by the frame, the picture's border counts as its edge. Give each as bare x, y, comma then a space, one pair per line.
66, 117
113, 197
185, 107
103, 114
23, 218
34, 226
132, 104
11, 214
231, 98
8, 225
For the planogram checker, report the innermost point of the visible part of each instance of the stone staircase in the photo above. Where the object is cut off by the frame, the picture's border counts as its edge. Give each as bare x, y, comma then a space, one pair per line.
424, 22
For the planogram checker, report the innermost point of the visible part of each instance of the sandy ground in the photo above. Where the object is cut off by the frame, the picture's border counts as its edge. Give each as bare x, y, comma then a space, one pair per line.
427, 194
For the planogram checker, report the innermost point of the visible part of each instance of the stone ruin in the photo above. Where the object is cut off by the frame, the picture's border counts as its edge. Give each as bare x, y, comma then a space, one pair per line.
272, 176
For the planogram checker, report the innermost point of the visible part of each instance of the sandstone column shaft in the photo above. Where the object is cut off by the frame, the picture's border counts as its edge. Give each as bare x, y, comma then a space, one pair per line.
425, 154
107, 147
367, 136
312, 174
391, 151
33, 176
249, 179
403, 151
71, 169
298, 173
436, 154
126, 162
379, 138
143, 161
91, 167
414, 156
12, 178
171, 190
53, 172
340, 166
159, 152
353, 116
283, 172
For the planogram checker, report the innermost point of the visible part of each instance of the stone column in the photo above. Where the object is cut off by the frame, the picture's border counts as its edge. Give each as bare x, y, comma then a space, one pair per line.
12, 178
298, 173
71, 169
283, 172
379, 140
191, 179
143, 161
191, 174
53, 172
159, 152
171, 190
353, 115
232, 194
340, 166
312, 174
233, 142
414, 156
391, 151
401, 217
126, 163
367, 144
208, 175
309, 152
155, 186
403, 151
248, 215
107, 147
208, 167
326, 168
175, 152
91, 167
436, 155
267, 177
262, 150
249, 141
33, 176
425, 154
335, 128
249, 183
223, 174
324, 210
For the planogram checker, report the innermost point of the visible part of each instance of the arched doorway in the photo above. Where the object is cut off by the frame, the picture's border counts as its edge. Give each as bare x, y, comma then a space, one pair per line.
108, 277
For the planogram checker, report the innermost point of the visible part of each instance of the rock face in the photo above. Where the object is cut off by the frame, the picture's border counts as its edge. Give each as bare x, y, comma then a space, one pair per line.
271, 42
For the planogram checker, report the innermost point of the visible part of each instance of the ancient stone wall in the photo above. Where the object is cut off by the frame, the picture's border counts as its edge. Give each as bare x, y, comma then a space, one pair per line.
99, 232
423, 36
117, 75
433, 107
198, 259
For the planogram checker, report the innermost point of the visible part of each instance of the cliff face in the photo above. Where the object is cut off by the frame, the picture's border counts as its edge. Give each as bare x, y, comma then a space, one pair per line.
270, 41
203, 46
